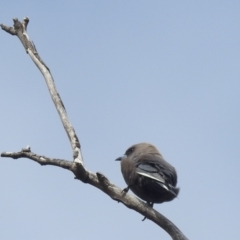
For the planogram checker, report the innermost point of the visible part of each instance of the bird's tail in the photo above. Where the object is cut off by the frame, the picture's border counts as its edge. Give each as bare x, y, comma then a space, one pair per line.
174, 191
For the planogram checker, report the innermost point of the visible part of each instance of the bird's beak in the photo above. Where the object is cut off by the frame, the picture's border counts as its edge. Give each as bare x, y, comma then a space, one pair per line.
120, 158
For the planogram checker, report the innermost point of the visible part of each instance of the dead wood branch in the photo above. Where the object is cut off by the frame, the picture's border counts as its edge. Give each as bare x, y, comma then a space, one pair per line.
97, 180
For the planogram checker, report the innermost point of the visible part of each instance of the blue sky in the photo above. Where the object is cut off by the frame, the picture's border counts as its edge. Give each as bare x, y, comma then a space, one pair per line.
164, 72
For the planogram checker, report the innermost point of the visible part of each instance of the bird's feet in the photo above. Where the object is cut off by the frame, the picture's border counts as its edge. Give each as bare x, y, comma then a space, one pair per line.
150, 204
125, 190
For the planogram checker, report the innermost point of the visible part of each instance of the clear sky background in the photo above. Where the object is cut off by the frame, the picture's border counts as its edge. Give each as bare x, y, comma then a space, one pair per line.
164, 72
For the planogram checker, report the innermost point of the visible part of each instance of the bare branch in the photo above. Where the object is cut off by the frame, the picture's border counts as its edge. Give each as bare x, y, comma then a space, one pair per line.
9, 30
42, 160
101, 182
97, 180
20, 30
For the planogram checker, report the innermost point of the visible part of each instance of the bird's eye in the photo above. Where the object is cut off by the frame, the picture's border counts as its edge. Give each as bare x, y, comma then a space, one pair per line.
130, 150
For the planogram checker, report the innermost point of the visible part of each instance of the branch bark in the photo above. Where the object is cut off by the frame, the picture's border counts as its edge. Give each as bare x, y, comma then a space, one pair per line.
97, 180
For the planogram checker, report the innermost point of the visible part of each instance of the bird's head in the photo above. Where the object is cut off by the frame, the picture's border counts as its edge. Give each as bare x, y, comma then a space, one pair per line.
138, 149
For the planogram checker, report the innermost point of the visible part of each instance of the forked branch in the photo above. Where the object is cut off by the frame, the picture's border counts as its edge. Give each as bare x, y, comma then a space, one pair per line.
97, 180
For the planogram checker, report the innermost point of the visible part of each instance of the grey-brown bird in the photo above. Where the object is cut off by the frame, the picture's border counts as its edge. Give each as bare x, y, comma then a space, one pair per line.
148, 175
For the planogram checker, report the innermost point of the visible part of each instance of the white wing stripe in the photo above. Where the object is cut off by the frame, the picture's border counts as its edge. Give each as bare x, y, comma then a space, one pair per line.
149, 176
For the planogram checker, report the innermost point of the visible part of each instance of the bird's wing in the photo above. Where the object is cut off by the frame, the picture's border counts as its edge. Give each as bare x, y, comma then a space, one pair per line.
157, 168
152, 173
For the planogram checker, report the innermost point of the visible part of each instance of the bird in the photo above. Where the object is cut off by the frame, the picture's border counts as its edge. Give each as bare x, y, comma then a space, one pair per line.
148, 174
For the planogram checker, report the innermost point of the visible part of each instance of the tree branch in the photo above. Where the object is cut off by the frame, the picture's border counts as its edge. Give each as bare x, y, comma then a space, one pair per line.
97, 180
20, 30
